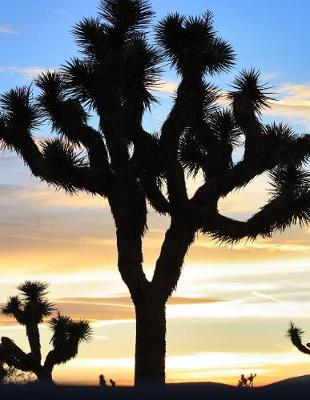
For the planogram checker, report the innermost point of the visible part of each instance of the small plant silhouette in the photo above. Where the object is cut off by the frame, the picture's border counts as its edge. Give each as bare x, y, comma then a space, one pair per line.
30, 309
11, 375
295, 334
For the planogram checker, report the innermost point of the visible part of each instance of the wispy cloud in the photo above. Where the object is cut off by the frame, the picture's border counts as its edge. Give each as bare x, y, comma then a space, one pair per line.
167, 87
293, 100
26, 72
7, 29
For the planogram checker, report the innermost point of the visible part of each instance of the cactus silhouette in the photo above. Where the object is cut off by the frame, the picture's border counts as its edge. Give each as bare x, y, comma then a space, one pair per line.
29, 309
114, 79
295, 334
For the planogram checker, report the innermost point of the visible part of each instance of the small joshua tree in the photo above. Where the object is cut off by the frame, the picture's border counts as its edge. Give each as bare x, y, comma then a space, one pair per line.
29, 310
132, 168
295, 334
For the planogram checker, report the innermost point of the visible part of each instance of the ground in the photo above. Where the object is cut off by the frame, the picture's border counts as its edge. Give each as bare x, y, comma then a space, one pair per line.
298, 387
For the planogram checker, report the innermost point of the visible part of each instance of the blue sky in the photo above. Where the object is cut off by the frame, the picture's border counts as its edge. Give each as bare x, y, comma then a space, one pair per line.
270, 35
69, 241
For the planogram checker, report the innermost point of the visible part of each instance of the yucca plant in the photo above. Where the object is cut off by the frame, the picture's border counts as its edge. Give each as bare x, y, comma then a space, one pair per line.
295, 334
121, 161
30, 309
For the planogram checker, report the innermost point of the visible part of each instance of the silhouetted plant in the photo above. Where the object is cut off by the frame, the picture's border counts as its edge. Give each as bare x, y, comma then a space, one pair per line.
295, 334
29, 310
130, 167
17, 377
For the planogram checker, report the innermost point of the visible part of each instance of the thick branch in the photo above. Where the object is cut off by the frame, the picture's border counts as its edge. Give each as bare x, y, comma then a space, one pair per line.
278, 214
74, 178
128, 206
168, 267
248, 169
33, 336
113, 128
146, 164
186, 104
14, 356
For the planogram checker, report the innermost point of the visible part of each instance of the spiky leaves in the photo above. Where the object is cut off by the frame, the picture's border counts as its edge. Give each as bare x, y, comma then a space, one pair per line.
62, 160
62, 154
208, 146
117, 54
66, 114
119, 21
14, 307
33, 290
126, 16
224, 127
32, 306
67, 335
249, 94
18, 110
248, 97
295, 334
92, 36
192, 45
279, 134
290, 180
18, 117
140, 73
29, 310
290, 203
65, 329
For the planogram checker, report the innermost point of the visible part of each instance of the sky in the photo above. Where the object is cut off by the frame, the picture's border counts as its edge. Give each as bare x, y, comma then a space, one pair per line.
232, 306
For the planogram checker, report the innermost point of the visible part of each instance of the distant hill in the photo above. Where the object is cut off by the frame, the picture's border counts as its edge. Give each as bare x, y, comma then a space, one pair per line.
296, 381
297, 388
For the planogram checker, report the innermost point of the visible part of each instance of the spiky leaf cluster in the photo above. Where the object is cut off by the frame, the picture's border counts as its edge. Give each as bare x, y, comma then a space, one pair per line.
224, 127
290, 180
18, 111
279, 134
32, 306
192, 45
295, 334
67, 335
126, 15
249, 94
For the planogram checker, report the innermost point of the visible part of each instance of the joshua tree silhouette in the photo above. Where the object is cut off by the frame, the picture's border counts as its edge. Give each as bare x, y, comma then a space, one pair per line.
295, 334
29, 310
130, 167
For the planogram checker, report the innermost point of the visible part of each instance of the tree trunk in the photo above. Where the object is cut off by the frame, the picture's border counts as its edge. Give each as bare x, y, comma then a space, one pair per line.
33, 335
44, 376
150, 340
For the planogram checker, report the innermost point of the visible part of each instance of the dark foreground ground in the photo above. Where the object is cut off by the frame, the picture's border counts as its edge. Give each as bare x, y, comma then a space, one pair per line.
294, 388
